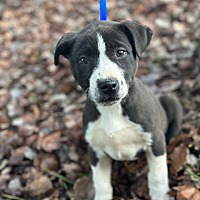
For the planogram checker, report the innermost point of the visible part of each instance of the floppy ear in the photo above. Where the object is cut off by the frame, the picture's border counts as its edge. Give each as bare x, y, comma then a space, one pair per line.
64, 46
138, 35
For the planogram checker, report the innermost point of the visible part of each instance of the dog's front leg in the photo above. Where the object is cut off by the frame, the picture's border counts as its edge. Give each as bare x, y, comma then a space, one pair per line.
158, 176
101, 171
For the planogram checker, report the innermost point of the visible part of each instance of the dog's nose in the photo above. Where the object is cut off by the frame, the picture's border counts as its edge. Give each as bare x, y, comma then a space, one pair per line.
108, 86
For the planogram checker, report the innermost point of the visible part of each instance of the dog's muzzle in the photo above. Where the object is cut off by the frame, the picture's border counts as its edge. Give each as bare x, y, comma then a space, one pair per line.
108, 90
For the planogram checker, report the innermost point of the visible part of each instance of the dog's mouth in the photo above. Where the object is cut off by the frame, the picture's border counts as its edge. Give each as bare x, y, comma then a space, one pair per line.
109, 100
104, 100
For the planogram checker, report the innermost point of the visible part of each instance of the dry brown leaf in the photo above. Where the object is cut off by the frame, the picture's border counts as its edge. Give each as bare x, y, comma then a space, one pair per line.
4, 97
83, 189
196, 138
178, 140
71, 169
189, 83
49, 162
36, 112
4, 178
170, 85
40, 185
4, 149
196, 195
139, 188
188, 193
16, 158
177, 158
50, 142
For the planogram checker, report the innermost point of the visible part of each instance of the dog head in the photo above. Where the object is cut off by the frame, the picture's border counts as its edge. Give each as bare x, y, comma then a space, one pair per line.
103, 57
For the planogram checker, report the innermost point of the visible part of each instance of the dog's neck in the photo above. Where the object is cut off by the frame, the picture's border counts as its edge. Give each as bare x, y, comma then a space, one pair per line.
112, 116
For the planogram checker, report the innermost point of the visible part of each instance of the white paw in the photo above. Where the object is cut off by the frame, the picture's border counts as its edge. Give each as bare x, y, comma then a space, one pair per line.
168, 197
105, 193
162, 197
103, 197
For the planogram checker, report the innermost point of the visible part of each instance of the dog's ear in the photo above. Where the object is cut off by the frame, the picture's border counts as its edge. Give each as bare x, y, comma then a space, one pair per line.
138, 35
64, 46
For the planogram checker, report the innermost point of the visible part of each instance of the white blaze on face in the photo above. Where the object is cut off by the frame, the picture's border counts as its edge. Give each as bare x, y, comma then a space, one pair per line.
106, 68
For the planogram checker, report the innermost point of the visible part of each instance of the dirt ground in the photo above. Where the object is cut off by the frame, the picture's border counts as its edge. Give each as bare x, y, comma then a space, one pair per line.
43, 154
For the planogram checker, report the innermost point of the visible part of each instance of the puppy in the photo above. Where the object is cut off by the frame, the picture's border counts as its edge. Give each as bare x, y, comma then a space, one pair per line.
121, 117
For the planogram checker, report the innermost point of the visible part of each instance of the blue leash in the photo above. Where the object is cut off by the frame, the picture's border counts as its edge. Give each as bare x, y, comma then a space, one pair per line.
103, 10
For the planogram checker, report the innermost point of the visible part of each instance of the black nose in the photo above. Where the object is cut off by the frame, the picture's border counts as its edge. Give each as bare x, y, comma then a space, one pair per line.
108, 86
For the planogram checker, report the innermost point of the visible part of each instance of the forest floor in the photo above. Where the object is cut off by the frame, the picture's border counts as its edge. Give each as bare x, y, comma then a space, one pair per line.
43, 154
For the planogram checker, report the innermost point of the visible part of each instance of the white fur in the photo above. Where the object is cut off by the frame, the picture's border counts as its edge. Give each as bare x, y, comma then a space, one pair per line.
102, 179
106, 69
115, 135
158, 177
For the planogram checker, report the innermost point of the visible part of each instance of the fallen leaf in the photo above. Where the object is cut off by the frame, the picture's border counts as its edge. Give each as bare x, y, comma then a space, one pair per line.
36, 112
170, 85
196, 196
5, 149
71, 169
50, 142
4, 178
16, 158
188, 193
178, 158
139, 187
49, 162
40, 185
4, 97
83, 189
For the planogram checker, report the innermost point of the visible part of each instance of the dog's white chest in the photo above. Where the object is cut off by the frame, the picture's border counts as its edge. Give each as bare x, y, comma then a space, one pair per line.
115, 135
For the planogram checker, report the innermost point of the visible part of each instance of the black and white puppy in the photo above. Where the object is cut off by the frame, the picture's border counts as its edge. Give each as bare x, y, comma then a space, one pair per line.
121, 117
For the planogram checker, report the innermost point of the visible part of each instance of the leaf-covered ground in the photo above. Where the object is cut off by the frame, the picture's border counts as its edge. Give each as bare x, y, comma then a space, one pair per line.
42, 151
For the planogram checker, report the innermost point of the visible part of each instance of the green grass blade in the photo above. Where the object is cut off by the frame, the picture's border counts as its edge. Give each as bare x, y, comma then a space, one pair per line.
8, 196
190, 171
52, 173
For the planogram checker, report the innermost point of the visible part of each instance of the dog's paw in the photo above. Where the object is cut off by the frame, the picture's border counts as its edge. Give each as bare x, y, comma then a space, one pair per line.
104, 193
168, 197
165, 197
103, 197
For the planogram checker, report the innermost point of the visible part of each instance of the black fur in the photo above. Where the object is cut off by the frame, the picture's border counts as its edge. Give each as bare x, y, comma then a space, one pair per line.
155, 116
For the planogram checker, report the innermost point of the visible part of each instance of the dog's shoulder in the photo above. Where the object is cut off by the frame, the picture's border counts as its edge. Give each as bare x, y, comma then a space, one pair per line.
142, 107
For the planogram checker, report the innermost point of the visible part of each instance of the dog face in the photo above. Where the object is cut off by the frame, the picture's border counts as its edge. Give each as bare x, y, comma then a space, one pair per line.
103, 57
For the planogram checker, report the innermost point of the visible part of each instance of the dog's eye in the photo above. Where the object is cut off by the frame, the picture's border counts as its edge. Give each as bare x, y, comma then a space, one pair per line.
82, 60
121, 53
